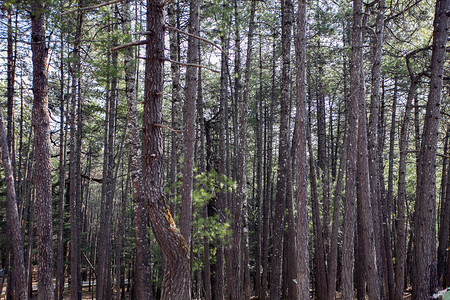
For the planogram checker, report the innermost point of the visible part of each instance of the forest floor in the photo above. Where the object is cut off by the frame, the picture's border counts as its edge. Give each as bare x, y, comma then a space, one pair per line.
90, 294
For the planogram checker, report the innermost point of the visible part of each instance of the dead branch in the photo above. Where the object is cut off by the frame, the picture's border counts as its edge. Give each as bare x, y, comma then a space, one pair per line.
90, 7
197, 37
185, 64
137, 43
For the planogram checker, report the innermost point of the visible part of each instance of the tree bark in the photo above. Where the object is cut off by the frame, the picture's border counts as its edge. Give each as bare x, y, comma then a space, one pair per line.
302, 173
425, 208
75, 206
43, 178
400, 249
283, 151
20, 281
352, 129
174, 249
143, 271
189, 124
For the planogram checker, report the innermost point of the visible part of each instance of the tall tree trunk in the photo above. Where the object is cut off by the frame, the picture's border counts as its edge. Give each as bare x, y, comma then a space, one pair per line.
364, 200
41, 124
241, 234
222, 195
143, 271
189, 123
333, 255
425, 208
75, 228
268, 179
174, 249
400, 249
104, 254
302, 165
283, 151
177, 117
62, 184
444, 221
13, 215
352, 133
319, 251
385, 266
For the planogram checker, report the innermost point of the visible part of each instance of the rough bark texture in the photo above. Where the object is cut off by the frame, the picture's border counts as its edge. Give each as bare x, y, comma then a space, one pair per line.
174, 249
62, 182
104, 280
13, 215
400, 249
378, 220
75, 206
444, 228
425, 208
352, 128
283, 152
364, 200
319, 251
302, 165
189, 123
43, 178
143, 271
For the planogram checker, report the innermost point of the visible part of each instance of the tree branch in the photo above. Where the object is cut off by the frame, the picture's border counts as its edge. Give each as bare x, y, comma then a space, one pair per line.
90, 7
137, 43
185, 64
197, 37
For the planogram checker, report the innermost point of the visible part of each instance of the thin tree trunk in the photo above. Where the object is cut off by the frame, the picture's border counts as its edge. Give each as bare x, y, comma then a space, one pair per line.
333, 255
75, 259
400, 249
364, 200
62, 184
425, 208
189, 124
283, 154
385, 272
444, 228
13, 215
302, 165
43, 178
104, 254
174, 249
268, 181
319, 251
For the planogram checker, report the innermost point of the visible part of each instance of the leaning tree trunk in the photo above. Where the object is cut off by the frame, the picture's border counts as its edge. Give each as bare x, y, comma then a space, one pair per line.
302, 164
43, 178
174, 249
13, 216
425, 208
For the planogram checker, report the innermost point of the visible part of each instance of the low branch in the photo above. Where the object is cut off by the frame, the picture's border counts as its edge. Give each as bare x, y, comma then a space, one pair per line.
197, 37
90, 7
185, 64
191, 65
137, 43
166, 127
90, 264
99, 180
